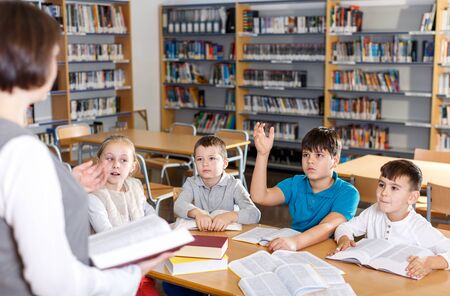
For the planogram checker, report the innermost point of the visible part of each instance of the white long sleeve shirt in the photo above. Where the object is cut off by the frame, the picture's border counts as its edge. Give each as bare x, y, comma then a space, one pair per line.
413, 230
31, 203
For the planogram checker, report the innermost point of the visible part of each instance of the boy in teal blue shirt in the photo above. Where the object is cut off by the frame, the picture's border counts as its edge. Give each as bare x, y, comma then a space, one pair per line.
318, 201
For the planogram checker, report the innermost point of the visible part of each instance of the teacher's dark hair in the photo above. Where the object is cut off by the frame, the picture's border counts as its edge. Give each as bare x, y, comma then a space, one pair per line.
28, 37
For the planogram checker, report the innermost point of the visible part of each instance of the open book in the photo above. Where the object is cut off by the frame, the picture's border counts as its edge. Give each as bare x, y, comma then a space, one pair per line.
191, 225
135, 241
285, 273
263, 235
381, 254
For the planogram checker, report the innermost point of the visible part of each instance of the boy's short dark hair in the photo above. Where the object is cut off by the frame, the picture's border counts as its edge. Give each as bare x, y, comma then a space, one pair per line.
322, 138
397, 168
208, 141
27, 40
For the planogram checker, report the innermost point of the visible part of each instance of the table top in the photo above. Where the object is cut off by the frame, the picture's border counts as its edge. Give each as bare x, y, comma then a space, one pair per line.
369, 166
364, 281
156, 141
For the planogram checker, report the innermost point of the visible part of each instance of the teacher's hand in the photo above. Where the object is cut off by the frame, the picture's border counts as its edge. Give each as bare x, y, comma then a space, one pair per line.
91, 176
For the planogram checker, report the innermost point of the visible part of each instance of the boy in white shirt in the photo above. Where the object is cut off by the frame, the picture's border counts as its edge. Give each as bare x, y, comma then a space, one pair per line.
392, 218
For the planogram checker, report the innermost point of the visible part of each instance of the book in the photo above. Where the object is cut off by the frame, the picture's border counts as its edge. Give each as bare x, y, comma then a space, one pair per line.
263, 235
192, 225
185, 265
205, 246
135, 241
285, 272
381, 255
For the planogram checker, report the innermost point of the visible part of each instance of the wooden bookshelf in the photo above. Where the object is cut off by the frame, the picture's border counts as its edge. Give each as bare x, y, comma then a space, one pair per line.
420, 124
61, 98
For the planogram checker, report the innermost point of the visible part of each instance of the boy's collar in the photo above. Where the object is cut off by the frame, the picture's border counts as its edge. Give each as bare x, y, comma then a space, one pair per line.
309, 187
222, 182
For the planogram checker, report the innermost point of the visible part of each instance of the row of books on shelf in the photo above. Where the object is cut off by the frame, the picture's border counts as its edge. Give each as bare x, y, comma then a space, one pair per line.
194, 49
444, 114
364, 136
96, 79
254, 23
445, 51
219, 20
208, 122
275, 78
360, 80
287, 131
95, 18
285, 105
79, 52
222, 74
178, 96
444, 84
443, 142
356, 108
400, 50
445, 20
90, 108
285, 156
284, 52
346, 19
427, 23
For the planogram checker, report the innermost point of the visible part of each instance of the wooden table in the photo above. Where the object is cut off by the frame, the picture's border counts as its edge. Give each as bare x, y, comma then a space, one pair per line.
369, 166
364, 281
159, 142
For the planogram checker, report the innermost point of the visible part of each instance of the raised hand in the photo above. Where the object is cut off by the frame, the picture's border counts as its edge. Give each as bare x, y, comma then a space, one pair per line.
263, 143
91, 176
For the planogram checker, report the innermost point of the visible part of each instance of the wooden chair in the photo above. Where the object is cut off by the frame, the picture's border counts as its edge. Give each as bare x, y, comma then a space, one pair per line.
64, 132
438, 200
156, 193
55, 151
236, 154
431, 155
164, 163
367, 188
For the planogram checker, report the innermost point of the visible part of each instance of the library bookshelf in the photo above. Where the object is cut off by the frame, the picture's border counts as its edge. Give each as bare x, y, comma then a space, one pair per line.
395, 119
94, 82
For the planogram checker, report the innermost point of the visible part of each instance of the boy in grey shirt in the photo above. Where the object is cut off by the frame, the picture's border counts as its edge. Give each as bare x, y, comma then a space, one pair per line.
213, 189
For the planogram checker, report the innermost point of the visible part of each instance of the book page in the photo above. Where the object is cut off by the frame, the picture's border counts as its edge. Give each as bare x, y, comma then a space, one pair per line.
331, 276
335, 290
145, 237
254, 235
396, 259
305, 258
365, 250
284, 232
300, 278
265, 284
254, 264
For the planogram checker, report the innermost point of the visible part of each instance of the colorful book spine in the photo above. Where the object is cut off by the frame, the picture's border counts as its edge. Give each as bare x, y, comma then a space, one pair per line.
284, 131
284, 52
364, 136
285, 105
275, 78
356, 108
359, 80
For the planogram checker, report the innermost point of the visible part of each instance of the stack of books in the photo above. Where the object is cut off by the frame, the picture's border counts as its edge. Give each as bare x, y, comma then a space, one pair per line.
205, 253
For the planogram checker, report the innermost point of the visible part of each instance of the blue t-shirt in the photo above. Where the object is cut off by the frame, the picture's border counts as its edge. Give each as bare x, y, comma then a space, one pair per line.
308, 208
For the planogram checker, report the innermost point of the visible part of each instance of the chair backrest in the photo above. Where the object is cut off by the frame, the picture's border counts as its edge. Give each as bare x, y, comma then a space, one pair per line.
72, 130
367, 188
438, 199
430, 155
235, 134
142, 175
183, 128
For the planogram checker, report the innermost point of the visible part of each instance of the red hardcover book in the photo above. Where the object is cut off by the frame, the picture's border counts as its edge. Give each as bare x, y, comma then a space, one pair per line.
205, 246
